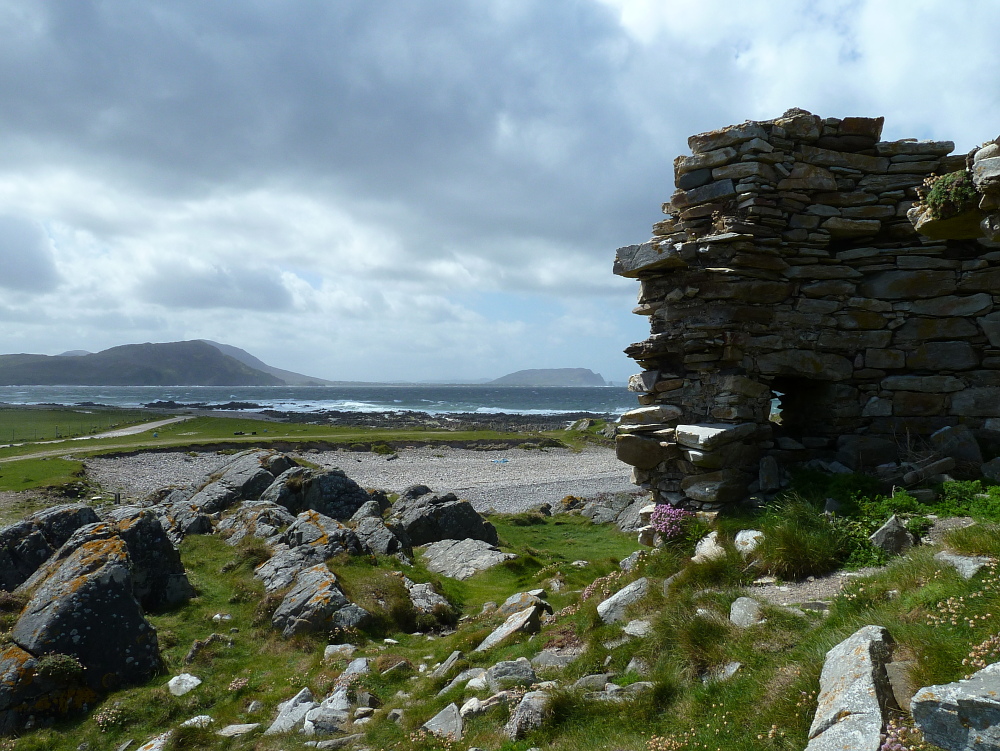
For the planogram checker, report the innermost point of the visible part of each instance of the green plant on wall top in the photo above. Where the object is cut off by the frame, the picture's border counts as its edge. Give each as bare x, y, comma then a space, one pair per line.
949, 195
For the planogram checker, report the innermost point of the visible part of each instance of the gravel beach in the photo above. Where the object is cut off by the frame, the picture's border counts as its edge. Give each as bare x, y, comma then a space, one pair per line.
506, 481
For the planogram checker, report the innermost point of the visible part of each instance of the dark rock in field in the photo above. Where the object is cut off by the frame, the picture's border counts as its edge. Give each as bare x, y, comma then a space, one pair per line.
24, 693
261, 519
892, 537
159, 580
510, 673
326, 535
431, 517
530, 714
86, 608
621, 509
460, 559
379, 538
155, 566
28, 544
961, 716
414, 491
316, 603
331, 492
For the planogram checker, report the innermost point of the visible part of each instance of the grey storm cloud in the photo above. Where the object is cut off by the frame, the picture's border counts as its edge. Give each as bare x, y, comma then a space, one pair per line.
472, 116
26, 261
180, 284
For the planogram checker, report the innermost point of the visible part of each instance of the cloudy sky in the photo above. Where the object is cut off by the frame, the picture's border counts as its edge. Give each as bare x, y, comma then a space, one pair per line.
408, 189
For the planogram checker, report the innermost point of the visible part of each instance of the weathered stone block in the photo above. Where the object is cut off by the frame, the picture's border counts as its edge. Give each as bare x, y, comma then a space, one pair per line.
911, 403
807, 364
725, 486
908, 285
976, 402
947, 356
632, 260
928, 329
718, 139
644, 453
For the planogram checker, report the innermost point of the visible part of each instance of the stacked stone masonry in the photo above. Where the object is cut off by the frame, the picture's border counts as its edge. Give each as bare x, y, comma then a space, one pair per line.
788, 265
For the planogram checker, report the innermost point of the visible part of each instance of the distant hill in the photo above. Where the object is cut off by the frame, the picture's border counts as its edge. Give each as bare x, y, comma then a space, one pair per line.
289, 378
551, 377
194, 363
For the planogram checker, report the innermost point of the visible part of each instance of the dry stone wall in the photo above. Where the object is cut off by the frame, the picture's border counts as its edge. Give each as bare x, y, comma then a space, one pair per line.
788, 265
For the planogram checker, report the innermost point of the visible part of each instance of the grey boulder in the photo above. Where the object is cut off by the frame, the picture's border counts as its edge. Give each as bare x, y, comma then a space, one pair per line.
892, 537
510, 673
322, 533
26, 545
331, 492
461, 559
961, 716
854, 693
529, 715
447, 723
431, 517
613, 608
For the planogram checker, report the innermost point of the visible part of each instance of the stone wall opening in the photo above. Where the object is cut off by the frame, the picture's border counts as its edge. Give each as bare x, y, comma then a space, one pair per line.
790, 263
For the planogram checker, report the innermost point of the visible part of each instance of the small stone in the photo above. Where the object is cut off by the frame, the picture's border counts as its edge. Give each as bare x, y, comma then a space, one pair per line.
183, 683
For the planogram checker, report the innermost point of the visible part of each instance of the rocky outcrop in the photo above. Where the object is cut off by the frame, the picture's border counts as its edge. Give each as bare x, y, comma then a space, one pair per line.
26, 545
428, 517
316, 602
85, 610
331, 492
788, 269
261, 519
244, 478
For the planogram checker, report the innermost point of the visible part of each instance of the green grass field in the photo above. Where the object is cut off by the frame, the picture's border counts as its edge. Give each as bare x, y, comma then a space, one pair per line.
19, 424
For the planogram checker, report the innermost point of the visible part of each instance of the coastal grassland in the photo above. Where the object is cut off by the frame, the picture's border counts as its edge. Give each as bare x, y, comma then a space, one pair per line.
19, 424
40, 473
945, 626
261, 665
238, 432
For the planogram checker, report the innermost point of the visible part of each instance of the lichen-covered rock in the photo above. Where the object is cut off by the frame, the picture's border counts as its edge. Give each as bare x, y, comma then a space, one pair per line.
280, 570
159, 579
315, 603
180, 517
380, 538
262, 519
424, 598
245, 477
527, 621
86, 608
26, 545
327, 535
25, 692
331, 492
510, 673
431, 517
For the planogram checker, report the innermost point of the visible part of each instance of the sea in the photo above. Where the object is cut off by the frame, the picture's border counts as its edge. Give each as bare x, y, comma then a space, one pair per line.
432, 399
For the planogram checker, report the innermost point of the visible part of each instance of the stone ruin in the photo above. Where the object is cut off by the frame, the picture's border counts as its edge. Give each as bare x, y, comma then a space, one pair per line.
789, 272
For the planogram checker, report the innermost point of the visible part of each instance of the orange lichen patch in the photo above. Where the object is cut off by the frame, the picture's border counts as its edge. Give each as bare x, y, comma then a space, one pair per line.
18, 667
